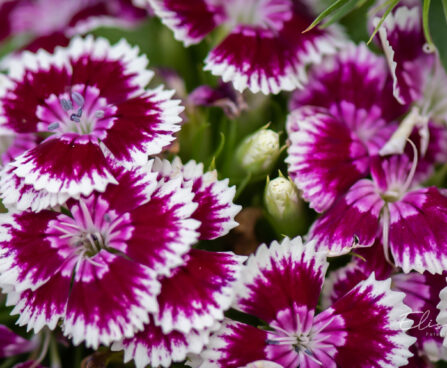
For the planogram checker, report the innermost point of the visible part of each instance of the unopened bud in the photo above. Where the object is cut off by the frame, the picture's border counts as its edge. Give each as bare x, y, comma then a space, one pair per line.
283, 206
258, 152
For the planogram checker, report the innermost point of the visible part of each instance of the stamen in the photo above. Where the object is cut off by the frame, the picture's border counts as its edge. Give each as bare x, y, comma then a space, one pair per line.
53, 126
107, 217
66, 104
77, 97
413, 167
271, 342
385, 232
75, 118
99, 114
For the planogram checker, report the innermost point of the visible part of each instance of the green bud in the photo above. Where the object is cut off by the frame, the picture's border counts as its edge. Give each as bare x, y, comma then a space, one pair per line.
283, 205
258, 152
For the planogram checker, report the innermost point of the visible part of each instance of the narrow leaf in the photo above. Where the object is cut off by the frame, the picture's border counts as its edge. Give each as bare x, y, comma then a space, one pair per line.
426, 23
444, 5
390, 8
438, 30
336, 5
340, 13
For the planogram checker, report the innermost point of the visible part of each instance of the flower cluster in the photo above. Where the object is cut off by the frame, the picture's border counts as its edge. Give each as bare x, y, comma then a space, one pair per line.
129, 209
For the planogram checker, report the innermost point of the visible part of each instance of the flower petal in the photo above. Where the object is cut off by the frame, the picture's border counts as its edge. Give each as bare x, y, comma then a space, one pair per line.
271, 60
144, 125
68, 164
268, 281
368, 260
110, 299
135, 187
46, 305
34, 77
198, 293
30, 256
324, 157
234, 345
372, 332
12, 344
418, 231
191, 21
422, 296
406, 63
352, 221
155, 348
16, 194
335, 85
163, 228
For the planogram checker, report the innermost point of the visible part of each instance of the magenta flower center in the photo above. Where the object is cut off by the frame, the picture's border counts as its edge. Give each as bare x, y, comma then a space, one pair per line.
92, 228
80, 111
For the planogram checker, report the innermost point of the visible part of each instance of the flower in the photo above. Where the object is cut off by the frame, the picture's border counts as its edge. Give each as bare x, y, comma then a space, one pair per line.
49, 23
70, 98
12, 344
96, 264
411, 220
422, 295
280, 285
275, 52
194, 297
334, 131
192, 302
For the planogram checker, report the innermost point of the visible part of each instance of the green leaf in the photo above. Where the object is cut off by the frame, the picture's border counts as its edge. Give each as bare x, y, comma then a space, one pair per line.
438, 30
391, 6
332, 8
425, 22
444, 5
340, 13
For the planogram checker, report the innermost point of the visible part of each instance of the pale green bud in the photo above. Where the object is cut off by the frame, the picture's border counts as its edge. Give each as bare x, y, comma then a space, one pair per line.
284, 206
258, 153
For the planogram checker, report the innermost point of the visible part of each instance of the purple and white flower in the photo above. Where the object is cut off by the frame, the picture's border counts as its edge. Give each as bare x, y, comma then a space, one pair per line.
422, 295
50, 23
96, 265
281, 285
12, 344
411, 220
70, 98
275, 52
191, 305
334, 130
216, 210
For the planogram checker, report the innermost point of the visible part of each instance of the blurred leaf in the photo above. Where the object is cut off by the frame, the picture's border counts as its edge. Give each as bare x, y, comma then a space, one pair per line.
343, 11
425, 22
438, 30
331, 9
444, 5
391, 4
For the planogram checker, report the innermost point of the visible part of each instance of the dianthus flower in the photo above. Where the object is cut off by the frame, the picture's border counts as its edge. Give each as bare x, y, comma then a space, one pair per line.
192, 300
275, 52
411, 220
422, 295
281, 285
95, 265
345, 116
81, 103
49, 23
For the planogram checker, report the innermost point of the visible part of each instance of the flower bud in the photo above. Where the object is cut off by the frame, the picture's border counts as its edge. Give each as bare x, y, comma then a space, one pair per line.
258, 152
283, 205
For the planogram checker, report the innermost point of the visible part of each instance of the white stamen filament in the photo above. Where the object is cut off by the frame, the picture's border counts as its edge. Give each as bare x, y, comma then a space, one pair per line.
414, 165
386, 232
